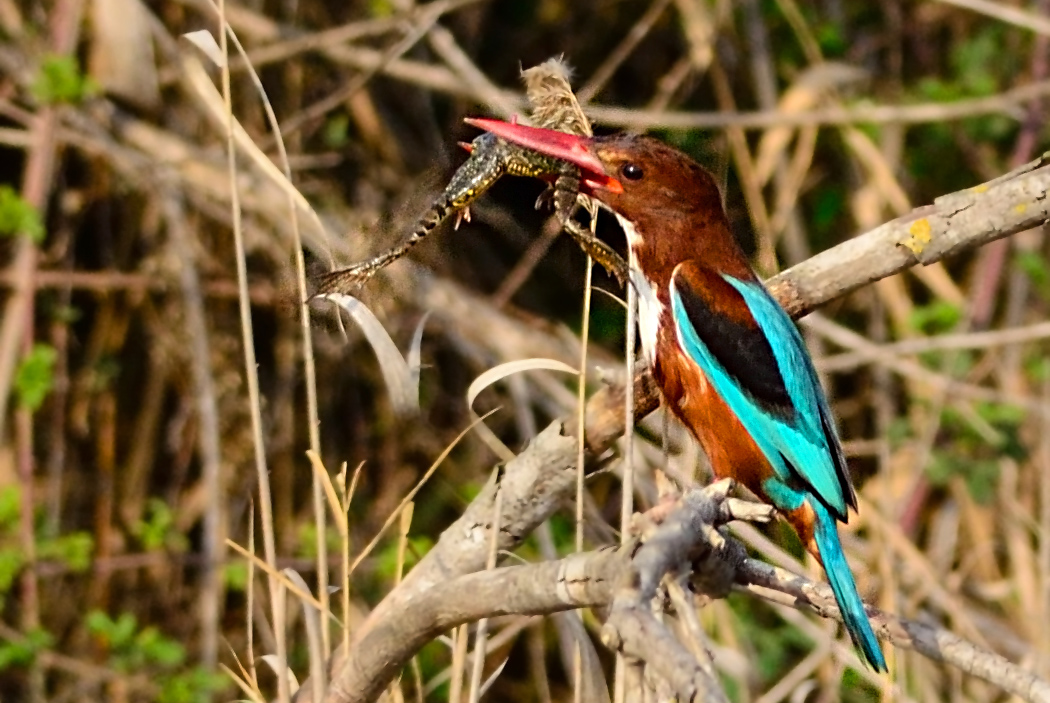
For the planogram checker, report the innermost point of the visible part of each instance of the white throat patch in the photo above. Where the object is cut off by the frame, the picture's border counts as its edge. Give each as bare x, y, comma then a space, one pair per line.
649, 306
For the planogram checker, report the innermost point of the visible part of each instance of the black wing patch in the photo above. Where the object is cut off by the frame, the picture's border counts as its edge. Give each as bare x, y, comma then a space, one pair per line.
839, 460
741, 349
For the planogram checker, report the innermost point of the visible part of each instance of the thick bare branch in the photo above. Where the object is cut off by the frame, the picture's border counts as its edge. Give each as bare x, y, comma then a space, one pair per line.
629, 584
631, 628
579, 581
953, 223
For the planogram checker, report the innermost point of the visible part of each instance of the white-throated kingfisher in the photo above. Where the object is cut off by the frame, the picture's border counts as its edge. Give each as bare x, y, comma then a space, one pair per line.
729, 361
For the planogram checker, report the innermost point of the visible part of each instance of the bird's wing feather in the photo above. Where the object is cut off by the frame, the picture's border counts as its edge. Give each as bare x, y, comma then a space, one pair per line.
755, 358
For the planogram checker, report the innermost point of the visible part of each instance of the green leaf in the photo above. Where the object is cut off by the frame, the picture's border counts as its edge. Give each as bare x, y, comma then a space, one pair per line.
117, 633
981, 478
123, 631
563, 532
131, 649
158, 649
335, 134
60, 80
936, 89
1035, 266
74, 550
307, 546
828, 206
831, 40
157, 530
10, 505
380, 8
1038, 368
856, 687
974, 60
193, 686
235, 576
1002, 415
17, 217
35, 376
11, 563
414, 550
96, 621
899, 432
23, 652
938, 316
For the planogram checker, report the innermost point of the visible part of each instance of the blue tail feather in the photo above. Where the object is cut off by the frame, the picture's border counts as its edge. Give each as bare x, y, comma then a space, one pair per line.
845, 590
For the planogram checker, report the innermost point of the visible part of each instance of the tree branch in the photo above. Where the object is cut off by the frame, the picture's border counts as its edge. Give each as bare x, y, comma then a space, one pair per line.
967, 219
628, 579
579, 581
689, 534
931, 641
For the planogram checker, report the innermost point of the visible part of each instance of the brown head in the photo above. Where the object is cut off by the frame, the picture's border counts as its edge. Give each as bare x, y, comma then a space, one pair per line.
653, 177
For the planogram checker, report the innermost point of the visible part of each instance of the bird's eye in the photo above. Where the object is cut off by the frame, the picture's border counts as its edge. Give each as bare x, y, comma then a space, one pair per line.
632, 172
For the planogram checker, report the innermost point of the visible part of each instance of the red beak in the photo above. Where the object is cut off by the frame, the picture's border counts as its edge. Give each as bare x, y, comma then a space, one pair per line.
559, 145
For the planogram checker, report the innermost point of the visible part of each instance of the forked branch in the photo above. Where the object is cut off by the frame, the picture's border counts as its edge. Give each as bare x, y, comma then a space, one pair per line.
627, 580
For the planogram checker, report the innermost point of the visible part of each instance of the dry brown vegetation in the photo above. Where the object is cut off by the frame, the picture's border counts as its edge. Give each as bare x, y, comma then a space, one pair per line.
130, 432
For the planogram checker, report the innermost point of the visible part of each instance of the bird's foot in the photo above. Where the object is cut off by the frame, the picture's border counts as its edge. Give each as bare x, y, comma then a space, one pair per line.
737, 508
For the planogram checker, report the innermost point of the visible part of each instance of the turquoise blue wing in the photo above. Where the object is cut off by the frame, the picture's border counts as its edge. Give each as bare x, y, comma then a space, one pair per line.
755, 358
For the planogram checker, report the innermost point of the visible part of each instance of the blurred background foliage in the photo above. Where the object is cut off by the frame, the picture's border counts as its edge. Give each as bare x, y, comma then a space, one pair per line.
107, 153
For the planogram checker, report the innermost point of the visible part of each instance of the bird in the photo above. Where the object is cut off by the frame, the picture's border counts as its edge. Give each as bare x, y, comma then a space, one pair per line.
729, 362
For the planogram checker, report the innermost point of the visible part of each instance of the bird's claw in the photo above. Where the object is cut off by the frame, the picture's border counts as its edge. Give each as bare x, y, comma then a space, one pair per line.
720, 489
748, 511
730, 509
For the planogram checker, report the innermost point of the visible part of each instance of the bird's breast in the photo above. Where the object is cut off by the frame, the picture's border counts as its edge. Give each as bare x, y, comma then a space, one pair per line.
692, 398
650, 310
686, 390
650, 307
